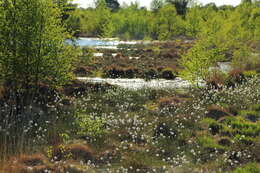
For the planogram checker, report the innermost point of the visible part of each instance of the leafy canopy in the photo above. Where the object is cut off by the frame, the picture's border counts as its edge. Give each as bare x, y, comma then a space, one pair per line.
32, 48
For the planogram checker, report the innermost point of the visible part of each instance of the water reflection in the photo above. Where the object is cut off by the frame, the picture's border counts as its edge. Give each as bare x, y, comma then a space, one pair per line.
96, 42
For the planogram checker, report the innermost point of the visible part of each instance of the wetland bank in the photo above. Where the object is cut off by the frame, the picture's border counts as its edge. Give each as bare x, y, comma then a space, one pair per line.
177, 91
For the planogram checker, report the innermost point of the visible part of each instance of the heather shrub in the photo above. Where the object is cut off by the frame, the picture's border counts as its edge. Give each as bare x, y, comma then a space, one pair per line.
168, 73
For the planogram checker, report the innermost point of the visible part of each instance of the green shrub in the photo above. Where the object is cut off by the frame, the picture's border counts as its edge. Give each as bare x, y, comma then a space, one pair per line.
208, 143
256, 107
114, 71
86, 56
250, 115
249, 168
197, 62
243, 139
90, 127
238, 125
250, 73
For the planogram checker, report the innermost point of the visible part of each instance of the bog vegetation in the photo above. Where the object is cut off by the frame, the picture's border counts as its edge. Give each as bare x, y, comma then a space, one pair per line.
50, 122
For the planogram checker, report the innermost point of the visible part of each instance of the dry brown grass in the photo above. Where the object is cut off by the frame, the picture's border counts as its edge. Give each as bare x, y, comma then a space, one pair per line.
81, 152
169, 101
36, 163
235, 76
216, 80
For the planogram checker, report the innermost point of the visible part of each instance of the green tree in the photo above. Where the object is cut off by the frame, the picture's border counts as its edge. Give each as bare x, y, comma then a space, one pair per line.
193, 21
103, 15
200, 58
113, 5
211, 5
131, 22
180, 5
32, 49
226, 7
254, 23
168, 23
66, 8
157, 4
73, 23
246, 1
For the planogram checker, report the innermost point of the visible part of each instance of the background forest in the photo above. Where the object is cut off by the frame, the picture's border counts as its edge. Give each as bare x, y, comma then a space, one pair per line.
166, 20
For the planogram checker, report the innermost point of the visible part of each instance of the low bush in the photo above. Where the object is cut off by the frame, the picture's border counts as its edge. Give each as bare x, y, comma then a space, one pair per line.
90, 127
168, 73
216, 112
81, 71
250, 115
250, 73
216, 80
151, 74
114, 71
209, 143
249, 168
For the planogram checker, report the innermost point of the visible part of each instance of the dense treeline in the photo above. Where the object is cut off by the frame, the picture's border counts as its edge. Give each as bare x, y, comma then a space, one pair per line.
166, 20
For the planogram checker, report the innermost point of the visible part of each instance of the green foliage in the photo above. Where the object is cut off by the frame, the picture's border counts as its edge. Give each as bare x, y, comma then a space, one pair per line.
105, 29
32, 45
91, 127
208, 142
180, 5
168, 23
73, 23
62, 152
193, 22
254, 22
249, 168
242, 126
200, 58
65, 137
86, 56
129, 22
157, 4
132, 23
229, 25
92, 22
66, 8
256, 107
241, 57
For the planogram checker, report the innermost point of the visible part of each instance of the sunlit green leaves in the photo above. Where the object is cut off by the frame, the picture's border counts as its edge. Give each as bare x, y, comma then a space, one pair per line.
32, 45
200, 58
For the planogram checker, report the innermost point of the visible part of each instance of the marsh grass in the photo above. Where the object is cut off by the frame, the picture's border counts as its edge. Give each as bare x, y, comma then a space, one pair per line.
146, 130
